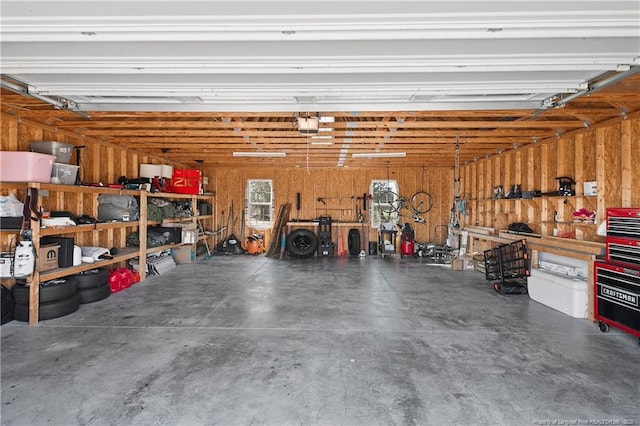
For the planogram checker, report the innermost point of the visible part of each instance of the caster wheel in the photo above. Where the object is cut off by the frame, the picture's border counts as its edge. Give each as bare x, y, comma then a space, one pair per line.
603, 327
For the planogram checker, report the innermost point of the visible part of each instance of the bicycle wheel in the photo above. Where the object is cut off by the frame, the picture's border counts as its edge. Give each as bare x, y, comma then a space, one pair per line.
421, 202
388, 203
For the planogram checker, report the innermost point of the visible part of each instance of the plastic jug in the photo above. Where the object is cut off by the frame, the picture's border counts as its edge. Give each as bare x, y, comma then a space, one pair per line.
24, 261
77, 255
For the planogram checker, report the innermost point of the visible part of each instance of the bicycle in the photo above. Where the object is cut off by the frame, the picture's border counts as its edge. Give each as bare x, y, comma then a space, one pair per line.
391, 204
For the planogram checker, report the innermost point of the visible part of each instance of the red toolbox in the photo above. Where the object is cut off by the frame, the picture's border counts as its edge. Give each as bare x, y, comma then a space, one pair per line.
623, 251
617, 297
623, 223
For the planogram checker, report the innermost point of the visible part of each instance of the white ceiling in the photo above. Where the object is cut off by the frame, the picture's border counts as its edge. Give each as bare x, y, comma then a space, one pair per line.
349, 55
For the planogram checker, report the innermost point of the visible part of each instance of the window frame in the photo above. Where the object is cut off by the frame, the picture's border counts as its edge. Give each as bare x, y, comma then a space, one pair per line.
374, 210
249, 203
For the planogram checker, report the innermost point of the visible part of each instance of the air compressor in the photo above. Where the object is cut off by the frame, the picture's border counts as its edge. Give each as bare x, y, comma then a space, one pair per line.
407, 241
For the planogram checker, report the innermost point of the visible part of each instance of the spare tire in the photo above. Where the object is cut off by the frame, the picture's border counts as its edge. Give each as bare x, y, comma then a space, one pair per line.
50, 291
49, 310
90, 295
354, 242
302, 243
92, 278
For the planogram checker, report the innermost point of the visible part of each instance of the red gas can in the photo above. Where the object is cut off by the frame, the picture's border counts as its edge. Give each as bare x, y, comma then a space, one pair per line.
114, 281
126, 279
119, 279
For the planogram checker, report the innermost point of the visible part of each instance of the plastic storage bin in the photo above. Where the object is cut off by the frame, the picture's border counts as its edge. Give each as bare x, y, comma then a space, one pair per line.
23, 166
64, 174
62, 151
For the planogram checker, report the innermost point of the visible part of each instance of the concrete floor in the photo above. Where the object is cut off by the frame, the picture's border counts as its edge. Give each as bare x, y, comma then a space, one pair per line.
241, 340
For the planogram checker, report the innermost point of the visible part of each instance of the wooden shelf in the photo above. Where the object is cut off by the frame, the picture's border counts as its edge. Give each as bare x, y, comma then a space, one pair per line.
86, 228
164, 247
584, 224
62, 201
123, 254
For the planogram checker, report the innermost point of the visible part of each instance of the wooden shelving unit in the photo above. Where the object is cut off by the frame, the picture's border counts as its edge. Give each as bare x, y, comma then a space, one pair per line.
84, 200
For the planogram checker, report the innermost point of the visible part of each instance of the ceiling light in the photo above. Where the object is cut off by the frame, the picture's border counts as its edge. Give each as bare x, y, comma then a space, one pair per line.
321, 143
379, 155
259, 154
321, 137
327, 119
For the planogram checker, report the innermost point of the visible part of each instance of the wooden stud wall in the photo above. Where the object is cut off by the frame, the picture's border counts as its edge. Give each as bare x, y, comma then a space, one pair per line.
101, 162
230, 185
608, 155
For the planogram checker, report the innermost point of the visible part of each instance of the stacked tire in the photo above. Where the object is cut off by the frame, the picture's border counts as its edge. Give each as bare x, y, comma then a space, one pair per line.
93, 285
57, 298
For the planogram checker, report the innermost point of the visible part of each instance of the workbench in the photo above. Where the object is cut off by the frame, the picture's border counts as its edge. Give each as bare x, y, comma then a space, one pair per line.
339, 230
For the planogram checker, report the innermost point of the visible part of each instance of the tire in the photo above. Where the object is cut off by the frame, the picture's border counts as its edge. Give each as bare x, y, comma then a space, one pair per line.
92, 278
354, 242
8, 305
50, 291
50, 310
302, 243
95, 294
421, 202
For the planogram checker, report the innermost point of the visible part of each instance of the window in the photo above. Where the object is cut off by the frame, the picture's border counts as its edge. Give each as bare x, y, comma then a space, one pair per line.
377, 189
260, 204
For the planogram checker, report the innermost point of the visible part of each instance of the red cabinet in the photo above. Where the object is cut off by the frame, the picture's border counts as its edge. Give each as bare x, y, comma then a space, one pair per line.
617, 280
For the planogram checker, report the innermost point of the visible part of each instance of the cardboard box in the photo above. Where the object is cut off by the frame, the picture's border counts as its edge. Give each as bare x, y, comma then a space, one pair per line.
183, 255
48, 257
65, 254
462, 263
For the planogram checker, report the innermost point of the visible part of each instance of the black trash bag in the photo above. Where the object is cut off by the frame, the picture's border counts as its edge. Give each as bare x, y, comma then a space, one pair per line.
231, 245
520, 227
510, 287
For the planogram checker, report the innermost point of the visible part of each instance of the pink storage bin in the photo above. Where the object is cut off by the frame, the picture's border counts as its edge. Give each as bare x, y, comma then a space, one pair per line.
24, 166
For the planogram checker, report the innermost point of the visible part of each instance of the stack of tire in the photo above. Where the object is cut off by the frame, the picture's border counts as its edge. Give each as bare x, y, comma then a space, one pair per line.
57, 298
93, 285
62, 296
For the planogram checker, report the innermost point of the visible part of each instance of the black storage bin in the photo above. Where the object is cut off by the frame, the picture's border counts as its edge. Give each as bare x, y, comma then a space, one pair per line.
373, 248
173, 234
204, 209
65, 252
11, 222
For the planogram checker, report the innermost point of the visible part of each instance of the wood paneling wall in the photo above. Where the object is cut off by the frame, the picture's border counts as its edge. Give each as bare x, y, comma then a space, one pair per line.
102, 162
609, 155
230, 186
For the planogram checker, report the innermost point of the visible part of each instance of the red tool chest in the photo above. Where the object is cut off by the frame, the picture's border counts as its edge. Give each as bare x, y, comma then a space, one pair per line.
617, 296
617, 280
